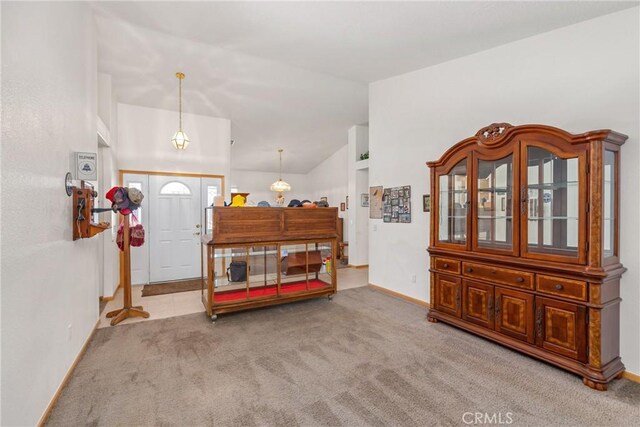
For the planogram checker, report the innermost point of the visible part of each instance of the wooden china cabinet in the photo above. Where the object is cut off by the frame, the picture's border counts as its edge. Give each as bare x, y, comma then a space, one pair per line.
524, 244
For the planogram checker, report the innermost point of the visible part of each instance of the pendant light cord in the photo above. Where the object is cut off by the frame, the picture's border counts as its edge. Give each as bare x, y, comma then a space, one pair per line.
180, 103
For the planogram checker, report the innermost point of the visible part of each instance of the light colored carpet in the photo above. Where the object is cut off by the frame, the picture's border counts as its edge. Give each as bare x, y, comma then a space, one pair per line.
365, 358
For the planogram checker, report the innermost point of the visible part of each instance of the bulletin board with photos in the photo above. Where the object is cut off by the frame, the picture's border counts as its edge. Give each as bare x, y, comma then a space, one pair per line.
396, 204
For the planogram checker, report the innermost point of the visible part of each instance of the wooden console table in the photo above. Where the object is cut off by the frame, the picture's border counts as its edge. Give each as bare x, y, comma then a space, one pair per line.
267, 240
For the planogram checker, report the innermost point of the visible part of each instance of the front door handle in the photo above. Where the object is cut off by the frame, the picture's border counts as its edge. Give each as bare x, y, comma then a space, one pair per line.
196, 234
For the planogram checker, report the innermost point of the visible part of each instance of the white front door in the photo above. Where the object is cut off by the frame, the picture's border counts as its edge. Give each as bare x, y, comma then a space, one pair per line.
174, 225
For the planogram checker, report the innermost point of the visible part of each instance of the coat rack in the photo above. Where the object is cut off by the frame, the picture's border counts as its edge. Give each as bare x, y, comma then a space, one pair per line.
128, 310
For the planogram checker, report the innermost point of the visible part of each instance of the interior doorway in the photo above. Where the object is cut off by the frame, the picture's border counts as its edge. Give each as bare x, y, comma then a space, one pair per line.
172, 214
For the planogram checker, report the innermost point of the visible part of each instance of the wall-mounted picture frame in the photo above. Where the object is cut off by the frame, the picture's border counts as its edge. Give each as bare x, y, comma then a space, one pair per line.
426, 203
347, 204
396, 203
364, 200
375, 202
342, 206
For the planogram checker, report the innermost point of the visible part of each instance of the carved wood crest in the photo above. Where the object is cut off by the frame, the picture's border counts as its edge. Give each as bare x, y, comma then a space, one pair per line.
492, 133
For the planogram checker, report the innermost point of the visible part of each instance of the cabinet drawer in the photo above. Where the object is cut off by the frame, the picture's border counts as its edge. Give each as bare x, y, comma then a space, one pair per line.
567, 288
446, 265
493, 274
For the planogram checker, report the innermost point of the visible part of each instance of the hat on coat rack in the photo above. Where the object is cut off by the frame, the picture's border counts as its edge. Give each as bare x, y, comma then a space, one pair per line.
135, 196
122, 202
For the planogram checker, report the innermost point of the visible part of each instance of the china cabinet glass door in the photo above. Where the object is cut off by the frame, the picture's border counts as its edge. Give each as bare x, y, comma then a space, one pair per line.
610, 172
494, 213
453, 201
553, 204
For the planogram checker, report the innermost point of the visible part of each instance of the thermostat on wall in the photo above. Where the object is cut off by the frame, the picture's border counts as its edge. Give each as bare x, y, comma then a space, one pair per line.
87, 166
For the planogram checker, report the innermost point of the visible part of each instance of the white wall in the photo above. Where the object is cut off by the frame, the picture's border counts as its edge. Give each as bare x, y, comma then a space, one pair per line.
577, 78
359, 256
1, 121
358, 236
108, 177
258, 183
330, 179
49, 84
104, 98
144, 142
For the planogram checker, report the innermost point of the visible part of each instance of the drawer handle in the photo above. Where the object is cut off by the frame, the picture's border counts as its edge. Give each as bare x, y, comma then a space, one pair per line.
469, 270
493, 272
559, 287
519, 280
445, 265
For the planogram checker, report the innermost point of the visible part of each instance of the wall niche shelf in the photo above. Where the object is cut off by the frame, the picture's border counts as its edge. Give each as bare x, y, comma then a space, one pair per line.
362, 164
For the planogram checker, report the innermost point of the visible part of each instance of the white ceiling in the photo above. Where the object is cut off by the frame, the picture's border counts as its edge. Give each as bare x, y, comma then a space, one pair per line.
295, 74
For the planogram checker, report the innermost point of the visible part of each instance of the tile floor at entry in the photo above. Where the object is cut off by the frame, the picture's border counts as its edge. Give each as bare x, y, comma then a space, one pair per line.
181, 303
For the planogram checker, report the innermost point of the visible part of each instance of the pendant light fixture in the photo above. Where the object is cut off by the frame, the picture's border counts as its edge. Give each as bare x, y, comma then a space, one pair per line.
280, 185
180, 139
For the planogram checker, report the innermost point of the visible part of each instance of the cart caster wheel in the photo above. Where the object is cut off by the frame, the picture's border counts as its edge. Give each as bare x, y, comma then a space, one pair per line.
214, 317
330, 297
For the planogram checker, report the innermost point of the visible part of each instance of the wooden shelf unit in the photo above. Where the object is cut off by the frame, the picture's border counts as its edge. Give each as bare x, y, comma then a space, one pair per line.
524, 244
270, 240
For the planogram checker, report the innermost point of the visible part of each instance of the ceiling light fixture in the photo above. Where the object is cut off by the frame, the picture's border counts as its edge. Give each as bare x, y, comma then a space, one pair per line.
180, 139
280, 185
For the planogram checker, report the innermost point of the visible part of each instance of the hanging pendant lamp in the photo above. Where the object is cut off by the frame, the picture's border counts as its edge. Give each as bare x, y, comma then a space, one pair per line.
280, 185
180, 139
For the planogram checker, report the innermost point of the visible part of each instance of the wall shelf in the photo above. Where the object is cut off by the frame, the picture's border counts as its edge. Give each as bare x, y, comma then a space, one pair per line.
362, 164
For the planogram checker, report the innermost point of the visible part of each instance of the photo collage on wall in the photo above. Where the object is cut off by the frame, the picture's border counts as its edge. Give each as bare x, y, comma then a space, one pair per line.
396, 204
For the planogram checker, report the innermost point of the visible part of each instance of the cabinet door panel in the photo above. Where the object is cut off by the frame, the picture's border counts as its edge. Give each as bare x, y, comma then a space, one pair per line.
477, 304
495, 219
448, 295
553, 202
560, 328
514, 314
452, 203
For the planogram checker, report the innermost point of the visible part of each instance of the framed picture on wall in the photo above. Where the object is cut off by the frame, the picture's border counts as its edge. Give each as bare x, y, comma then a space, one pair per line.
342, 206
375, 202
426, 203
364, 200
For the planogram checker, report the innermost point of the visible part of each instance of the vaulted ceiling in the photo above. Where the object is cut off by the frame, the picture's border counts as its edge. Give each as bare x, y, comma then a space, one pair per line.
295, 74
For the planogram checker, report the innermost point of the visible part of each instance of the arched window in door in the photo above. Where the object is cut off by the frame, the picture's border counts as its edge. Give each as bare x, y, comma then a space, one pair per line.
174, 188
